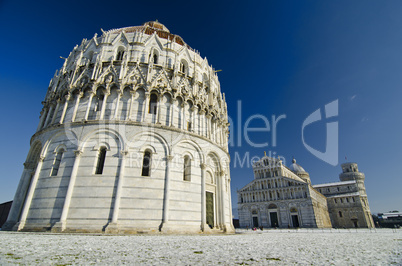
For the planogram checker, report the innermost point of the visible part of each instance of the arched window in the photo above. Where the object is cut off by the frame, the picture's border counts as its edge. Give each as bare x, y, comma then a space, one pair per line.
155, 59
340, 214
146, 164
57, 161
187, 168
183, 67
153, 104
101, 161
120, 54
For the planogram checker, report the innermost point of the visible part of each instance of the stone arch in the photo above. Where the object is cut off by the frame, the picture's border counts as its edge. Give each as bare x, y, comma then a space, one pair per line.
212, 159
193, 144
142, 139
109, 133
154, 142
35, 152
70, 135
183, 68
120, 53
209, 179
272, 206
154, 54
59, 147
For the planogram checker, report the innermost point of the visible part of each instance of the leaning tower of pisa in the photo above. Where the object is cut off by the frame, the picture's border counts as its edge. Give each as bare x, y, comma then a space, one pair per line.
132, 137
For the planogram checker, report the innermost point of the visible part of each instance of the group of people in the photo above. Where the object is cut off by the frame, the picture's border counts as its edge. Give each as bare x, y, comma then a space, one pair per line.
255, 228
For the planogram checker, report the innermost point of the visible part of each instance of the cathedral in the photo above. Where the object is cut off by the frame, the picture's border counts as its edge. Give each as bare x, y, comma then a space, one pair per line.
283, 197
132, 138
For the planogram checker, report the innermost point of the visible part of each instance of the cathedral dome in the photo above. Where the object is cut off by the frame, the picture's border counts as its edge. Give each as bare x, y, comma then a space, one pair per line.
294, 167
298, 170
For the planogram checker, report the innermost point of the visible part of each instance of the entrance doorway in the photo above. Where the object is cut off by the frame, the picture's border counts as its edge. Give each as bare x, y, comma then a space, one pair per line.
295, 221
274, 219
255, 221
355, 223
210, 209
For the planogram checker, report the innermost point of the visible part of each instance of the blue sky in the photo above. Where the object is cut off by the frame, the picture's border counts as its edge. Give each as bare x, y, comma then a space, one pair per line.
277, 58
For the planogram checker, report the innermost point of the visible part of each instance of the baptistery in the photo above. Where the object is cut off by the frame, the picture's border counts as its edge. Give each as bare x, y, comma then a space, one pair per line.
132, 138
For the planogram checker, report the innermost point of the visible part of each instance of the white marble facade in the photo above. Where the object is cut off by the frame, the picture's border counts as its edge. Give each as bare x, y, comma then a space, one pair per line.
133, 137
281, 196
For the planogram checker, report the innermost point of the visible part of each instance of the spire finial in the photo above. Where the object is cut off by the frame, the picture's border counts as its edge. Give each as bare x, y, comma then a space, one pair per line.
265, 153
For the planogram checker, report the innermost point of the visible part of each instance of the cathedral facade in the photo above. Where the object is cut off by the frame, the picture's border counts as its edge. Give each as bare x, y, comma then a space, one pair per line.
132, 137
283, 197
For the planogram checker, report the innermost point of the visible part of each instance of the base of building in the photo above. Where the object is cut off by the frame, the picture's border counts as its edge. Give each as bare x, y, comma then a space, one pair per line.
118, 229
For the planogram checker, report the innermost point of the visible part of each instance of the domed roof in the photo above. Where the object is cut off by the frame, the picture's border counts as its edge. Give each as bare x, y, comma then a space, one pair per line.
149, 28
294, 167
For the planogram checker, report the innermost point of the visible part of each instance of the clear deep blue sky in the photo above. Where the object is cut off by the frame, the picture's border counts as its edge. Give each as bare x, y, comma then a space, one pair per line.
277, 58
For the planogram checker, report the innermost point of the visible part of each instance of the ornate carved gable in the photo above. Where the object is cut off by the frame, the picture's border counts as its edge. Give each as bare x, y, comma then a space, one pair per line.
109, 74
153, 41
161, 81
120, 39
185, 54
134, 76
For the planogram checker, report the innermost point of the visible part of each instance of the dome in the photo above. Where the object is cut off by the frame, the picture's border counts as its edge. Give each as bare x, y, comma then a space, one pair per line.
132, 121
294, 167
150, 28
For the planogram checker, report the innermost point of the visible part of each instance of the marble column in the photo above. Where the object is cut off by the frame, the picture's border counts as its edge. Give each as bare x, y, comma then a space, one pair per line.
158, 118
55, 111
77, 103
31, 191
116, 111
91, 95
208, 133
166, 196
63, 114
192, 115
202, 123
119, 189
146, 107
130, 112
49, 115
204, 225
172, 106
61, 225
102, 114
19, 197
184, 122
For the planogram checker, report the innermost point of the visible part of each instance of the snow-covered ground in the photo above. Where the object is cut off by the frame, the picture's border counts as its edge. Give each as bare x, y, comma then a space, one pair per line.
318, 247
